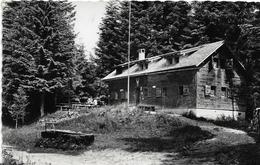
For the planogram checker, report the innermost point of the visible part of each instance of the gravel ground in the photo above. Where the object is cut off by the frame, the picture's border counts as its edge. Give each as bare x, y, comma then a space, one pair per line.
103, 157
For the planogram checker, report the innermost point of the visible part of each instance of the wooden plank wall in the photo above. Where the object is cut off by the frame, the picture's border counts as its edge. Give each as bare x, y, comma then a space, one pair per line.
217, 77
170, 81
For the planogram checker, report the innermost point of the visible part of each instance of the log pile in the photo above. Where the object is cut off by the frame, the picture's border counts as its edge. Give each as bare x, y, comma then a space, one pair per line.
66, 140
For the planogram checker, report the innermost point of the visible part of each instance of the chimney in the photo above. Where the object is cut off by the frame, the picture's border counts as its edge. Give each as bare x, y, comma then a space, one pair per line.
141, 54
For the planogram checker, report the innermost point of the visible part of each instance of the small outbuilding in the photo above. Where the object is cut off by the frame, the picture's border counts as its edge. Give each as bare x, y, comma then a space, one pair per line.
206, 80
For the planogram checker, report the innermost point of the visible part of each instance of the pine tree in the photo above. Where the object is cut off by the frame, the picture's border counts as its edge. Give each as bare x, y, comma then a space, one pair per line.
215, 19
38, 46
85, 74
108, 47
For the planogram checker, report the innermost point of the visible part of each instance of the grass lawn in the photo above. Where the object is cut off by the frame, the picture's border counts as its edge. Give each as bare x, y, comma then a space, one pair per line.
116, 127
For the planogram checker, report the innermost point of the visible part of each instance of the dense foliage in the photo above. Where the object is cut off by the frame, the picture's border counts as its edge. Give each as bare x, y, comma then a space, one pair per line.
38, 54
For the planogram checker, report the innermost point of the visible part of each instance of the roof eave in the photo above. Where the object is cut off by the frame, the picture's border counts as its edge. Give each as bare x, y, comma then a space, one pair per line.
193, 67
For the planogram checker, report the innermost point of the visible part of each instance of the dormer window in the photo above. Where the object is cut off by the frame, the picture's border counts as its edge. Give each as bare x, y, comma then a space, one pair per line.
119, 70
169, 60
143, 65
177, 60
173, 60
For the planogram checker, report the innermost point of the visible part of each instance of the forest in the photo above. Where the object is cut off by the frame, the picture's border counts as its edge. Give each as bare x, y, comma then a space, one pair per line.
43, 65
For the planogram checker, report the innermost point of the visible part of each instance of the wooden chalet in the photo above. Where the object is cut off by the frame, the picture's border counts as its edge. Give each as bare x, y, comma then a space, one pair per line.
205, 80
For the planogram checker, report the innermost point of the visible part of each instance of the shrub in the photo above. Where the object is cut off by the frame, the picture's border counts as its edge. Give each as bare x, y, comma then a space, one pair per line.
231, 123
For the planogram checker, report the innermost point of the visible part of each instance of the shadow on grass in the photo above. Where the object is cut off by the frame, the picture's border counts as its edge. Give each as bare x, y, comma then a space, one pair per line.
242, 154
247, 154
175, 140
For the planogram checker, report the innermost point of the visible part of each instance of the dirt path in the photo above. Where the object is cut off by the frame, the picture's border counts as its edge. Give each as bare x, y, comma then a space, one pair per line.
104, 157
199, 153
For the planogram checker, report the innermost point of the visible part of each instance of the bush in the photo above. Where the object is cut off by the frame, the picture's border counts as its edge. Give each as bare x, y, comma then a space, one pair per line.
231, 123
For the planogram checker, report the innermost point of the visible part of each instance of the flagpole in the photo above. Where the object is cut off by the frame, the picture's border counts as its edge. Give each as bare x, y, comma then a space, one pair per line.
128, 59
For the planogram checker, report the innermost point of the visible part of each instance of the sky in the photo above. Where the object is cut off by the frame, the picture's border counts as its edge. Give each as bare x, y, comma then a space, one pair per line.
88, 18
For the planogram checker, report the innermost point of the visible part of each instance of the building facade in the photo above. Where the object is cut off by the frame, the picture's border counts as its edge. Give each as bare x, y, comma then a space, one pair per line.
206, 80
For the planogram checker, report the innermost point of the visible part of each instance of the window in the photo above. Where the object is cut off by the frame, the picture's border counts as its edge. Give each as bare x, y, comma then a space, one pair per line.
122, 94
143, 65
224, 92
185, 90
169, 59
146, 65
158, 92
181, 90
229, 63
213, 91
177, 59
116, 95
119, 70
222, 63
145, 91
164, 92
215, 63
149, 92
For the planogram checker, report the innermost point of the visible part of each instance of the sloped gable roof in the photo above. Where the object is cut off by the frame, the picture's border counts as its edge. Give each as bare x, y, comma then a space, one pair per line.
159, 64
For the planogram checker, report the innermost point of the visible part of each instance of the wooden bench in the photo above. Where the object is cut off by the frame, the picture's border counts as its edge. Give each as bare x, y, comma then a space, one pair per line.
146, 107
63, 107
49, 125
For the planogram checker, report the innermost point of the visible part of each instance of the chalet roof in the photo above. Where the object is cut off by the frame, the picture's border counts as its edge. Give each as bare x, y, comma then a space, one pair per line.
188, 58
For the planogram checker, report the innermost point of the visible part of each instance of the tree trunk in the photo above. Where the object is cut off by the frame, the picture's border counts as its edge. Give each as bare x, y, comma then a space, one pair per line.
42, 104
16, 122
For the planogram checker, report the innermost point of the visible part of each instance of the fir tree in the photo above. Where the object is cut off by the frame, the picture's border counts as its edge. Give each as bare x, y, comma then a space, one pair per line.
38, 46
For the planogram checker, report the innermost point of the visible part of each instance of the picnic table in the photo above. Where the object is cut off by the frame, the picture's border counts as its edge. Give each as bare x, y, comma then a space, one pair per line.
146, 107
